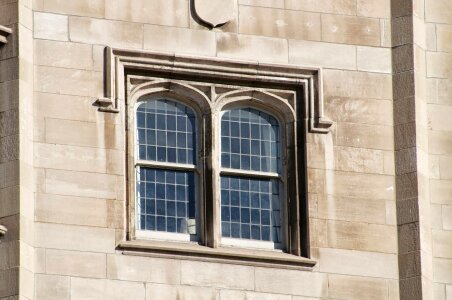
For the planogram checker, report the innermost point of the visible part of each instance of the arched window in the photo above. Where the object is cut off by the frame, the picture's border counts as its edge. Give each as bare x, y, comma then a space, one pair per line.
165, 167
250, 179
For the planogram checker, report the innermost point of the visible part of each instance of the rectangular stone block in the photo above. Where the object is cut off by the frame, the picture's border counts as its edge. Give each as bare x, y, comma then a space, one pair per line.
374, 8
63, 54
74, 210
351, 209
10, 254
101, 289
279, 23
50, 287
440, 142
439, 64
357, 84
441, 270
148, 269
69, 237
217, 275
447, 218
86, 134
439, 11
356, 288
441, 191
253, 48
439, 117
361, 111
9, 282
263, 3
362, 236
346, 7
68, 81
50, 26
319, 54
75, 263
244, 295
9, 69
444, 37
372, 59
442, 241
351, 30
81, 184
358, 160
180, 40
365, 136
106, 32
88, 8
159, 12
351, 262
291, 282
174, 292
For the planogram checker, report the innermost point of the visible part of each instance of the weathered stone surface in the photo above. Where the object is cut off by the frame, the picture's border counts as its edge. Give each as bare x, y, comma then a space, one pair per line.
50, 287
174, 292
373, 59
444, 37
438, 11
101, 289
89, 8
347, 7
356, 288
50, 26
63, 54
75, 263
374, 8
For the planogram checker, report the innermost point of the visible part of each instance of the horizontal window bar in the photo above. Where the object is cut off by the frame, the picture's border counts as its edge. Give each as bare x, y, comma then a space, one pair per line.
164, 165
249, 173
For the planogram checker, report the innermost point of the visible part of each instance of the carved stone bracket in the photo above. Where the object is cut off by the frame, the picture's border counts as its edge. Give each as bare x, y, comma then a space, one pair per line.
4, 32
120, 63
3, 231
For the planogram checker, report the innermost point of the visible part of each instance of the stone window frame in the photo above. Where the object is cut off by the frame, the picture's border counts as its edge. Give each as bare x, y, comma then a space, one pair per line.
133, 74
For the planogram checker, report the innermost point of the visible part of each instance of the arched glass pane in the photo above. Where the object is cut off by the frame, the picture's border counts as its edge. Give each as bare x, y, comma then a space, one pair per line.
249, 140
166, 132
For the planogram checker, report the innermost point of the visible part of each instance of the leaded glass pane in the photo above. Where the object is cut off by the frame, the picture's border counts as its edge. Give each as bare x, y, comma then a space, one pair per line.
250, 209
249, 140
166, 132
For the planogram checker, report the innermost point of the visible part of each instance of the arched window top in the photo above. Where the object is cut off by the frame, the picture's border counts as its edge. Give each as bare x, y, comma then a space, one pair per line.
250, 140
166, 131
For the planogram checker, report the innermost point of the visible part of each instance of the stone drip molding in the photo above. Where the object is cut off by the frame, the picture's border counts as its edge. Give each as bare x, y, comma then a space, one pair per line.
305, 82
4, 32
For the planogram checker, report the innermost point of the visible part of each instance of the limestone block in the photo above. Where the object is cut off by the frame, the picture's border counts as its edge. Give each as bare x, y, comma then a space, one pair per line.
444, 37
81, 184
388, 163
88, 8
357, 84
243, 295
217, 275
86, 134
351, 30
439, 117
68, 81
134, 268
374, 8
441, 191
442, 270
263, 3
352, 209
439, 291
385, 28
50, 287
291, 282
393, 287
447, 219
74, 210
448, 292
106, 32
63, 54
317, 54
318, 233
255, 48
373, 59
436, 216
365, 136
440, 142
358, 160
442, 239
356, 288
80, 238
180, 40
439, 64
316, 181
159, 12
173, 292
75, 263
279, 23
361, 111
101, 289
439, 11
346, 7
40, 260
50, 26
351, 262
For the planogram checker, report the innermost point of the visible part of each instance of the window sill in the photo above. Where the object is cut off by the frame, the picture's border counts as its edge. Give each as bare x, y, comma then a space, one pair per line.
260, 258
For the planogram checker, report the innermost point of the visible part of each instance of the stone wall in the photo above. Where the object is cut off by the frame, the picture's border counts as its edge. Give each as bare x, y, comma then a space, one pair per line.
76, 153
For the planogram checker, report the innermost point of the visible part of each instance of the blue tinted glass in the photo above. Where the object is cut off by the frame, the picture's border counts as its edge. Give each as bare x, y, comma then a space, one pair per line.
168, 125
255, 137
165, 199
246, 201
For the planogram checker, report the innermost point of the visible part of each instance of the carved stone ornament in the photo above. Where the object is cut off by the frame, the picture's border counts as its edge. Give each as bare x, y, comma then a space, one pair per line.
3, 230
214, 12
306, 83
4, 32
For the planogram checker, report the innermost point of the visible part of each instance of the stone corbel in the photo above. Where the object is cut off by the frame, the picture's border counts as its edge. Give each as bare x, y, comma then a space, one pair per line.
120, 63
3, 231
4, 32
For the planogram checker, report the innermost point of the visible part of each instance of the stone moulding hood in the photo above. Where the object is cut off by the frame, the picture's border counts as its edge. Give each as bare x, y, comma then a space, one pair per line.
120, 62
4, 32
